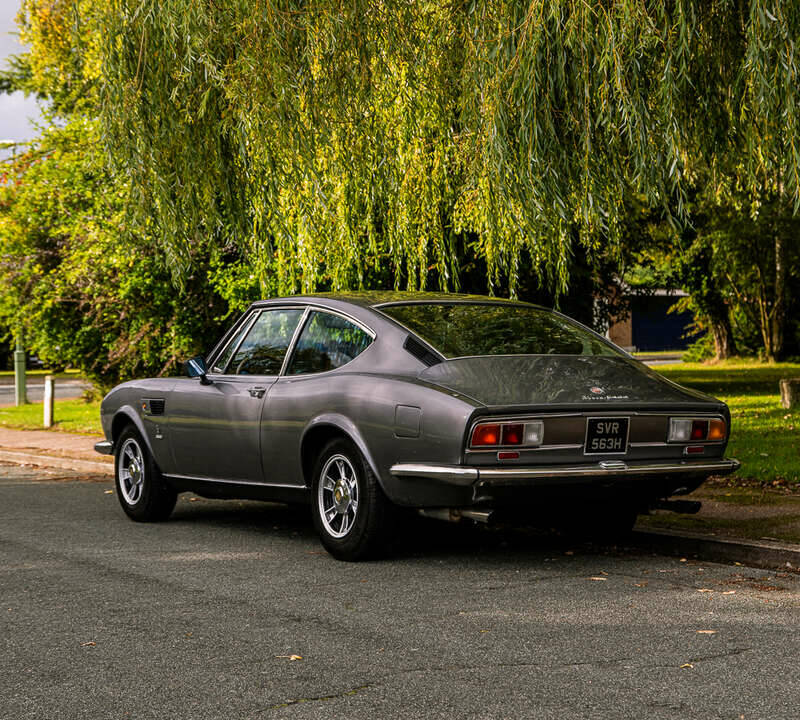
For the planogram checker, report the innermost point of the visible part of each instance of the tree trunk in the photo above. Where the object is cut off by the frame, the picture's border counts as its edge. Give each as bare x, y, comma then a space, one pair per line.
790, 393
724, 344
777, 321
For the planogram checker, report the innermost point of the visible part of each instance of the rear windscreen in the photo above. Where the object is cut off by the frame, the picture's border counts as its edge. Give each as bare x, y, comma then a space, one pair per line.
466, 329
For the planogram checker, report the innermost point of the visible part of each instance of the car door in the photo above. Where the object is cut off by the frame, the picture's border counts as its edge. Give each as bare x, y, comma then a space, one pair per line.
328, 341
214, 428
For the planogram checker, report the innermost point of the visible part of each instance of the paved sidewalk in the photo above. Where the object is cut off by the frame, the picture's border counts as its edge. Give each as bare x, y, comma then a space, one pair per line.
53, 449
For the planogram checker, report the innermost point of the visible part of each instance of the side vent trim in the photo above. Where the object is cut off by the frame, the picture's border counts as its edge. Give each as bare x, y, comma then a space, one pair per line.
419, 351
153, 406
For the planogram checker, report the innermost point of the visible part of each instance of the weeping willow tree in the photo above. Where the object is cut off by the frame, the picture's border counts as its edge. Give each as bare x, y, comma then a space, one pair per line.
331, 142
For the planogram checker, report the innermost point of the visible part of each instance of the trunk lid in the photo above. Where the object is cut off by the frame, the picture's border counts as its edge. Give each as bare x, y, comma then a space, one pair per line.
559, 380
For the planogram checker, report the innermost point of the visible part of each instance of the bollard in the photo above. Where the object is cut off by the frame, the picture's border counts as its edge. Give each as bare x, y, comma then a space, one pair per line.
49, 394
20, 394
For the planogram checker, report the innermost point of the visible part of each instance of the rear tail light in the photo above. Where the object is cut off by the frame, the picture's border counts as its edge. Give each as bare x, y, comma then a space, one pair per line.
512, 434
717, 430
684, 430
529, 434
487, 434
699, 429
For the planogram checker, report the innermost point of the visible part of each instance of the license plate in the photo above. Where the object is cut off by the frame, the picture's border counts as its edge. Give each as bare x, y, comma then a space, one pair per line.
606, 436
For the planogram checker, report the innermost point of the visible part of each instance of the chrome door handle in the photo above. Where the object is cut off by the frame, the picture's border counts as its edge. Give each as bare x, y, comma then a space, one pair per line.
257, 391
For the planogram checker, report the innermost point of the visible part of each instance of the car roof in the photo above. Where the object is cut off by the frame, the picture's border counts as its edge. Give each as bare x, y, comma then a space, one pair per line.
379, 298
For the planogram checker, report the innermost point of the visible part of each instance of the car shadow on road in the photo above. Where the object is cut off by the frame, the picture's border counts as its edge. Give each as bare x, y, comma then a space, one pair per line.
415, 538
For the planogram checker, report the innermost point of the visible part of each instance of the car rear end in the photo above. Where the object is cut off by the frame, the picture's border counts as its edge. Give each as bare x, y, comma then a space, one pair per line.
563, 417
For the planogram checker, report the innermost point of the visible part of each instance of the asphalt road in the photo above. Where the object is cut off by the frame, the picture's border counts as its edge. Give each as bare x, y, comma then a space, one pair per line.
200, 617
35, 391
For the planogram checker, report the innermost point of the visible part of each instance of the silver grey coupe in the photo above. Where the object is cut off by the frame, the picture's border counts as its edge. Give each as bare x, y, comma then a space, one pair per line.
367, 404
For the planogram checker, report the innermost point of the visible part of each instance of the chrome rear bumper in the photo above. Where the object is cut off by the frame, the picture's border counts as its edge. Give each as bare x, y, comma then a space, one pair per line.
463, 475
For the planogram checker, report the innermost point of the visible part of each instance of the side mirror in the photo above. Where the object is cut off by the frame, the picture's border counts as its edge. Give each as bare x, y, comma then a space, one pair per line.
196, 367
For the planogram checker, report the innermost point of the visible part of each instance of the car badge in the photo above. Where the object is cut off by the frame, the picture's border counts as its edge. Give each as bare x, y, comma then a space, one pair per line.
597, 390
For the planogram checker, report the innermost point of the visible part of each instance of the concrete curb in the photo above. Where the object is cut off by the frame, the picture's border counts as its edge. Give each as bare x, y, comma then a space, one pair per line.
755, 553
51, 461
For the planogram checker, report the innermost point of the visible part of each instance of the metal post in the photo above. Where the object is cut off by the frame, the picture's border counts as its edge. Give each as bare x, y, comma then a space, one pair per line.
49, 394
20, 393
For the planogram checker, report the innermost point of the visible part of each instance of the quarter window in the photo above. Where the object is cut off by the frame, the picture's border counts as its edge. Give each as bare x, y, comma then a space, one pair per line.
327, 342
263, 350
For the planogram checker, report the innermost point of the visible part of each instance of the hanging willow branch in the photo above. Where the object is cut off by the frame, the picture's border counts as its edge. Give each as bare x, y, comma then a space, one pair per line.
328, 140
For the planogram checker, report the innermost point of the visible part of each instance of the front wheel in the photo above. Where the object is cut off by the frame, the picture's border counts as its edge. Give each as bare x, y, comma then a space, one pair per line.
141, 489
352, 516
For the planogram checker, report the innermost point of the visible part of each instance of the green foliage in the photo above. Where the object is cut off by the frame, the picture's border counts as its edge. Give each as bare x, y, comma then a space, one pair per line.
700, 350
84, 291
328, 140
201, 155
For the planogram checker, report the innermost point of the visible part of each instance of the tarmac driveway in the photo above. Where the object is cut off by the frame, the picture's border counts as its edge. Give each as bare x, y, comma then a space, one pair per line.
232, 610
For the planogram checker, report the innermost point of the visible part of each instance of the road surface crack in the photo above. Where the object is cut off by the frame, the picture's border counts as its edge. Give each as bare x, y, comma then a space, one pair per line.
318, 698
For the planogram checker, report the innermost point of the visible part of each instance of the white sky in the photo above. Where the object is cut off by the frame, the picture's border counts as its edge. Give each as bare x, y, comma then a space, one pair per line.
16, 110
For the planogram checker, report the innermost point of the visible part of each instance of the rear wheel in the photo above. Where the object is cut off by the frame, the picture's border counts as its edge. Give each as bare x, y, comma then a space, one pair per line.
353, 517
141, 489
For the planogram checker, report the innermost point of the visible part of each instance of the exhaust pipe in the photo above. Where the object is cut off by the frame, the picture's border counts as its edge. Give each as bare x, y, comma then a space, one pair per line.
686, 507
457, 514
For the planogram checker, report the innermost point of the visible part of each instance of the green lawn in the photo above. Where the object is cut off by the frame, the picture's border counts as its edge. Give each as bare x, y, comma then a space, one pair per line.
76, 416
764, 435
657, 353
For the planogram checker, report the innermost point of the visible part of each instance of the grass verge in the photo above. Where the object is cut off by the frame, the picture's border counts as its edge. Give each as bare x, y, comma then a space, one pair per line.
77, 416
764, 435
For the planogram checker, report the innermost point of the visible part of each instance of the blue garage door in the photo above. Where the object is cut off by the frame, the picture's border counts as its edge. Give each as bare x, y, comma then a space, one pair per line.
656, 329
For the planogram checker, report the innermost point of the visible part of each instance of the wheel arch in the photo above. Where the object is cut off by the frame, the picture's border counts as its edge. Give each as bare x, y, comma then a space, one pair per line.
125, 416
321, 430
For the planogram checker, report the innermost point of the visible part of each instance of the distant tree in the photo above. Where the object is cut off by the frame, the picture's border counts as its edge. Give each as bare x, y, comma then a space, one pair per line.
84, 288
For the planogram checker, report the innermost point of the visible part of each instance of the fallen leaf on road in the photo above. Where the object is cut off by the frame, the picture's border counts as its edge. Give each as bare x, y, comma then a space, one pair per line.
601, 579
705, 590
641, 584
290, 657
108, 492
91, 643
729, 592
706, 632
687, 665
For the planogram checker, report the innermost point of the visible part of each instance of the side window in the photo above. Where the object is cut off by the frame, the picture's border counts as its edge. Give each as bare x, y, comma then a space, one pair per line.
327, 342
263, 350
225, 355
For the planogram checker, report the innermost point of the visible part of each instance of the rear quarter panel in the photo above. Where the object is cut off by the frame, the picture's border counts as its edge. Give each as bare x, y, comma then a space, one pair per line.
377, 411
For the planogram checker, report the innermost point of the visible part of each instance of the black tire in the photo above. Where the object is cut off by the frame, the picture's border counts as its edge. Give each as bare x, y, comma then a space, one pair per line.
141, 489
347, 533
